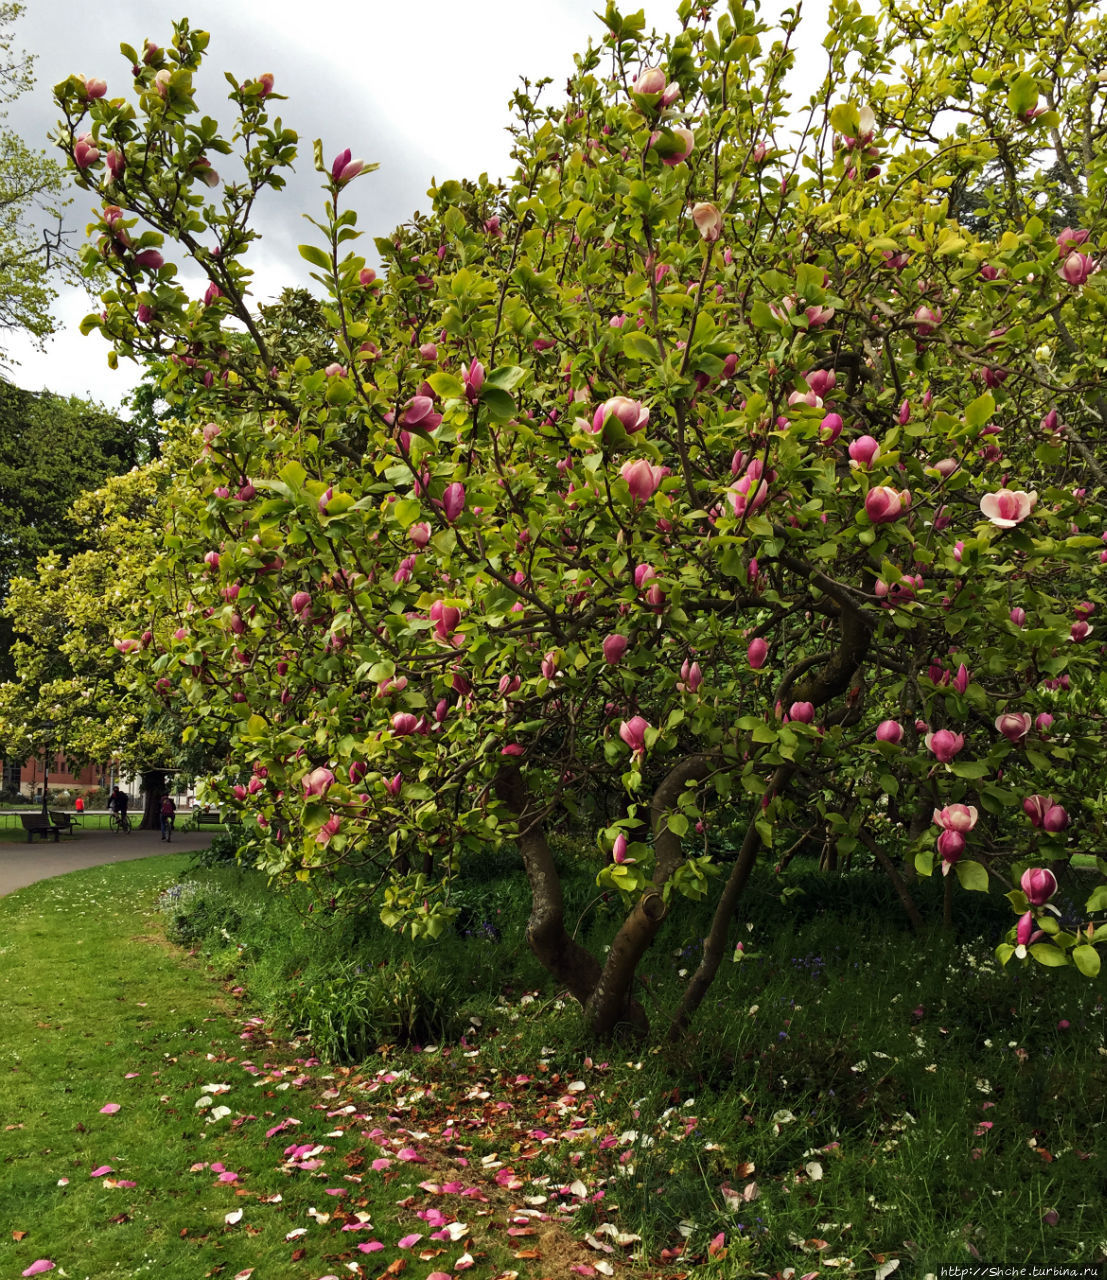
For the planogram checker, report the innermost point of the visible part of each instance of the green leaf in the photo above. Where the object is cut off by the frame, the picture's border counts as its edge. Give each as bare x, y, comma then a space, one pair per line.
972, 875
760, 315
506, 378
313, 254
499, 404
1023, 94
971, 769
293, 475
678, 824
1098, 899
1086, 959
924, 862
978, 411
447, 386
637, 346
1050, 956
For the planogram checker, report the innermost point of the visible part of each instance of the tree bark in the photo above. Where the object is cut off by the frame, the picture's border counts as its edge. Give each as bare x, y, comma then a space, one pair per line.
611, 1004
715, 944
897, 880
154, 788
558, 953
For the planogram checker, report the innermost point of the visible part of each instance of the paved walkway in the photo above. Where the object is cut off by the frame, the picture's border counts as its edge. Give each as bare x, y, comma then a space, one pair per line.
23, 864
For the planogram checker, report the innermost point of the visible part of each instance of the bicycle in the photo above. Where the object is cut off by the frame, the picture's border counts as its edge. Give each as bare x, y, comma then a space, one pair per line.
119, 822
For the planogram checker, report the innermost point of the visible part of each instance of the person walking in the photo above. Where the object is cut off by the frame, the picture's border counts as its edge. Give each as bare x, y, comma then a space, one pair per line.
168, 817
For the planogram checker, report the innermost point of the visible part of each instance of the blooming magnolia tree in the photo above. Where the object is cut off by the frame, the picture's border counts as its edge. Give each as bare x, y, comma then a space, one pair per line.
743, 468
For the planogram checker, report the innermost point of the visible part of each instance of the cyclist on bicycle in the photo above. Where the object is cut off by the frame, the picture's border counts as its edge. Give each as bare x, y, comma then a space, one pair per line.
117, 804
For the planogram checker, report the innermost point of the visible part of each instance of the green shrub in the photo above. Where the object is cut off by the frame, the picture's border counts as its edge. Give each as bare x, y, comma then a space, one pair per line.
348, 1011
223, 850
195, 911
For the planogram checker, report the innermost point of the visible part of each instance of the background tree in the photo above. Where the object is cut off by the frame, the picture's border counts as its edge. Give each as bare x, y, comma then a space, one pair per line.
51, 449
68, 674
696, 463
32, 249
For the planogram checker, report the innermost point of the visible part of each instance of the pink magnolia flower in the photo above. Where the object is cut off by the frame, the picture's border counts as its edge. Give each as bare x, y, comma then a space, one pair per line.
1039, 884
739, 494
927, 319
453, 501
884, 504
1018, 616
956, 817
818, 315
691, 677
889, 731
420, 534
864, 450
1070, 239
1076, 268
830, 428
757, 652
619, 850
642, 478
1008, 507
709, 221
419, 412
512, 749
1043, 721
344, 168
1014, 725
951, 845
301, 604
85, 151
1080, 630
1044, 814
632, 414
686, 144
116, 162
328, 830
150, 260
944, 744
804, 712
633, 733
403, 722
394, 784
614, 646
318, 782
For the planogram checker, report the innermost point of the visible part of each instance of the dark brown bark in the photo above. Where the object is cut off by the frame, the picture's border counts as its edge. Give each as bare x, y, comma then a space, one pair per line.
611, 1004
154, 788
833, 679
897, 880
715, 944
559, 954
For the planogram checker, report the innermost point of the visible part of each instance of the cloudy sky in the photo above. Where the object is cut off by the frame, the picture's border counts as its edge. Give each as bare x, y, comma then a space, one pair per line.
420, 87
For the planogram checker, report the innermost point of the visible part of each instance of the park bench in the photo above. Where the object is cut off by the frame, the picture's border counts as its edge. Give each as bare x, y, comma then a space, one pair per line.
208, 818
35, 824
65, 822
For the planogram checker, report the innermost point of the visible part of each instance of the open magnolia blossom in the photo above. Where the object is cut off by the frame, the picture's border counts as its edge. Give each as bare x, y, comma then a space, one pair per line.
1008, 507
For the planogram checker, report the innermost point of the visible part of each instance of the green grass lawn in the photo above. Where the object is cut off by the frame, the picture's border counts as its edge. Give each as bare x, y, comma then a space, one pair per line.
852, 1096
113, 1165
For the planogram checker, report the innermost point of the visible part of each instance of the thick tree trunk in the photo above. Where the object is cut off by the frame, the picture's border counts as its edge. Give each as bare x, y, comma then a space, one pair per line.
559, 954
611, 1004
154, 787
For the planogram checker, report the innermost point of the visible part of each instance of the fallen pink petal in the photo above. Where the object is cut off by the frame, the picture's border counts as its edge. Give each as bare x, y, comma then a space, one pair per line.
38, 1267
109, 1109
